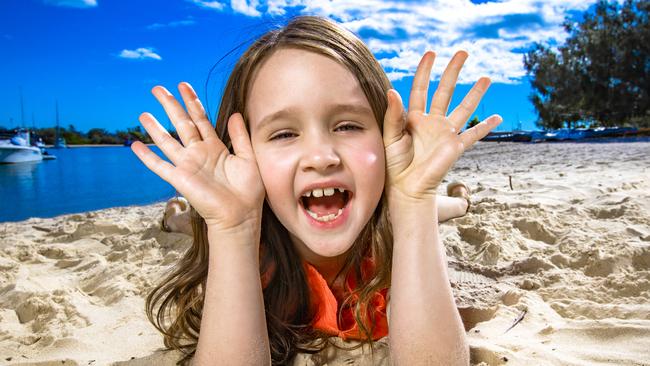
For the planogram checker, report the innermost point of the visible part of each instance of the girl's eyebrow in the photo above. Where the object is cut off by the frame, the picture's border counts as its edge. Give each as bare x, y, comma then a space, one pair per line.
333, 109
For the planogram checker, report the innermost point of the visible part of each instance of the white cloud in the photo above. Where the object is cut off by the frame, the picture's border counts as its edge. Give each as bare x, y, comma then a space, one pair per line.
246, 7
72, 3
140, 54
217, 5
172, 24
399, 32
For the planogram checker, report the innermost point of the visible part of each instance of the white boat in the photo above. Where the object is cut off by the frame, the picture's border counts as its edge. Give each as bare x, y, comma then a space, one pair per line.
60, 143
18, 150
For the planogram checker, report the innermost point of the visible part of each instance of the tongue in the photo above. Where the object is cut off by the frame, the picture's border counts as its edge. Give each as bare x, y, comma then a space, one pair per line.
325, 205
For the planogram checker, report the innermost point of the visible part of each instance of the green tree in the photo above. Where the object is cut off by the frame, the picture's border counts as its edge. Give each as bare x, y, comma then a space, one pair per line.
72, 136
473, 122
601, 74
95, 135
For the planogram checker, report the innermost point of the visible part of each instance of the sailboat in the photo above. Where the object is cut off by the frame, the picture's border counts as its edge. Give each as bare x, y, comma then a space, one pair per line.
59, 142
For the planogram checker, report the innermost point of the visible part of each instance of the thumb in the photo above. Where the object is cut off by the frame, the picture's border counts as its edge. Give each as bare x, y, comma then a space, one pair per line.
241, 141
394, 119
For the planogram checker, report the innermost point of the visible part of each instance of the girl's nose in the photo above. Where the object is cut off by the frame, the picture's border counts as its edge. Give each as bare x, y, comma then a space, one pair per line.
319, 155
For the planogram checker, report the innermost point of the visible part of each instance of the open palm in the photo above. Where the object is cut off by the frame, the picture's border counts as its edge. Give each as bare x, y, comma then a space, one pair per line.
421, 147
226, 189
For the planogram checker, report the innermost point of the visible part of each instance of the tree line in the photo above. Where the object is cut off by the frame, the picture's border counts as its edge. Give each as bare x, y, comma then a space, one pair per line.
94, 136
601, 75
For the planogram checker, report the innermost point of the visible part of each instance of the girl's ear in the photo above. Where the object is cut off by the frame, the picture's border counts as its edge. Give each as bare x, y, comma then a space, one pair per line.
394, 119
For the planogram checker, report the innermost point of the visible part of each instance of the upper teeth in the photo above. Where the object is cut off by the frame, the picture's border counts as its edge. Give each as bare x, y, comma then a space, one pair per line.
320, 192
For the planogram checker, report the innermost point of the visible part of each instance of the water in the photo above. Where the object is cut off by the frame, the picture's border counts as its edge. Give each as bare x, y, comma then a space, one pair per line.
80, 179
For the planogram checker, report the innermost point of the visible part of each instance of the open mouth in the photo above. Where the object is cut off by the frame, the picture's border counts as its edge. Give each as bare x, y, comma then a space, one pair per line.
327, 204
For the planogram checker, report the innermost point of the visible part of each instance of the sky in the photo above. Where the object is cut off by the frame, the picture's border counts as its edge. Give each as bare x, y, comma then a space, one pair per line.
99, 59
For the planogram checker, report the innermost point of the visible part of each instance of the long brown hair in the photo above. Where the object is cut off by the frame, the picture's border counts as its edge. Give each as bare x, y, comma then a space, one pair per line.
175, 305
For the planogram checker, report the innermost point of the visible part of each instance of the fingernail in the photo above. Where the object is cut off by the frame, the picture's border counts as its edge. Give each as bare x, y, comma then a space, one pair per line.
162, 90
189, 86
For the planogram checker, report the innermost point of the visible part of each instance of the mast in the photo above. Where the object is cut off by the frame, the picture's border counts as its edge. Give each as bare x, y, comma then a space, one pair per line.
22, 109
56, 137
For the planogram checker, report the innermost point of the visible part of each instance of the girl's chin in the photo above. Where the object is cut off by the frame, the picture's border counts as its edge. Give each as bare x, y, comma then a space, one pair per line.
326, 249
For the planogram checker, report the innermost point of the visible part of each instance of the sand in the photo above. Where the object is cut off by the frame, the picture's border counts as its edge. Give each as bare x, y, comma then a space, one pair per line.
550, 267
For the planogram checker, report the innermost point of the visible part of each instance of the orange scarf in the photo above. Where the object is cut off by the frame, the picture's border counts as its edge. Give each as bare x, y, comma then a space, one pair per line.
325, 307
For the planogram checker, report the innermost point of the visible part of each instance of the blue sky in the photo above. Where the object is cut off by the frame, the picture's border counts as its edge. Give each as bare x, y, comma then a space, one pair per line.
100, 58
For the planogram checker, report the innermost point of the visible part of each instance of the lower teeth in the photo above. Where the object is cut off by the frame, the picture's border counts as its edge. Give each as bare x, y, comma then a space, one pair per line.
325, 218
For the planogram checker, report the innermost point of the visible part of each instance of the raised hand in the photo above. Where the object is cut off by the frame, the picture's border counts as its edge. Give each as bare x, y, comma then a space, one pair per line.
420, 146
226, 189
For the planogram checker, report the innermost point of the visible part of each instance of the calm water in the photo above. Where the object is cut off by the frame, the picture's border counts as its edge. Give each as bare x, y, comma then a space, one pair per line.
80, 179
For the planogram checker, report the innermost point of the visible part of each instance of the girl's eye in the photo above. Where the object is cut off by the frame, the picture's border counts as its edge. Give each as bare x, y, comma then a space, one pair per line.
348, 127
283, 135
287, 134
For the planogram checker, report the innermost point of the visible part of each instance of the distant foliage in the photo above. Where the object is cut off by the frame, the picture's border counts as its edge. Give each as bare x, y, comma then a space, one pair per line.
600, 75
93, 136
473, 122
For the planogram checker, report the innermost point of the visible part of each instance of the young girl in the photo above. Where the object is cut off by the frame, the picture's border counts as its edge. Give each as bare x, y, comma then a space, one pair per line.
314, 197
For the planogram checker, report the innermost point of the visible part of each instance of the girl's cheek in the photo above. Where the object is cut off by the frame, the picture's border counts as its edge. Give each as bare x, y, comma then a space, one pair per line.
369, 159
275, 168
368, 153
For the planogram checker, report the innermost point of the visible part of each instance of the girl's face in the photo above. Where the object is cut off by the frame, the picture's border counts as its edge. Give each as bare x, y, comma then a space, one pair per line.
314, 134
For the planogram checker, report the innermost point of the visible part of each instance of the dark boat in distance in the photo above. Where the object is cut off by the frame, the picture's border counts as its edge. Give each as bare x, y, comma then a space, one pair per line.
567, 134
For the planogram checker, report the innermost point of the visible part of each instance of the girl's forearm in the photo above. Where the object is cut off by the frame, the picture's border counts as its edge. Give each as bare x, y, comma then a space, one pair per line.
425, 326
233, 326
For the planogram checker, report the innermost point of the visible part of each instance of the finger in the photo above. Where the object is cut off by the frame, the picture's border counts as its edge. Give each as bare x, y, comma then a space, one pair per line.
241, 141
442, 96
162, 168
180, 119
464, 110
196, 111
471, 135
394, 119
169, 146
418, 97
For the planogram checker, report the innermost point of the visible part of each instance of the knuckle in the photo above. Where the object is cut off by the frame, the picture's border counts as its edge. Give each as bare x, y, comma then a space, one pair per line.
168, 142
187, 121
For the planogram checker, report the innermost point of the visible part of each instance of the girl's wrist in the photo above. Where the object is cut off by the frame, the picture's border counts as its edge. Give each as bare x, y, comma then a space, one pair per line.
400, 201
408, 212
245, 234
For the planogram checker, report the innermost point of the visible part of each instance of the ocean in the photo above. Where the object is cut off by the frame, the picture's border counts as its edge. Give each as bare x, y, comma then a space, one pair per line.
80, 179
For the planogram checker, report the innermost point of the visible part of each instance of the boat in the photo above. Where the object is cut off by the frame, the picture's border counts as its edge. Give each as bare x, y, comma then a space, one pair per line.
46, 154
498, 136
59, 142
128, 142
569, 135
18, 150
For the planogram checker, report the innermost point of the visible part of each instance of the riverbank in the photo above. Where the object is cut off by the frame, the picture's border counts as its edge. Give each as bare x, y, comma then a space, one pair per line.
550, 267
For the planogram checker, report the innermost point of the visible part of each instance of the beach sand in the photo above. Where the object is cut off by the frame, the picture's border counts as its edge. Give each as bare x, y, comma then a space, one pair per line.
558, 238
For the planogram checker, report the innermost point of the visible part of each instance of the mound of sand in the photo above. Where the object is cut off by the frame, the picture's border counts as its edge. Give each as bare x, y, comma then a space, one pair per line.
551, 266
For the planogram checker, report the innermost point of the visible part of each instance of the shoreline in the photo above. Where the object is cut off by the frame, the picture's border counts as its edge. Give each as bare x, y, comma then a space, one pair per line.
627, 139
